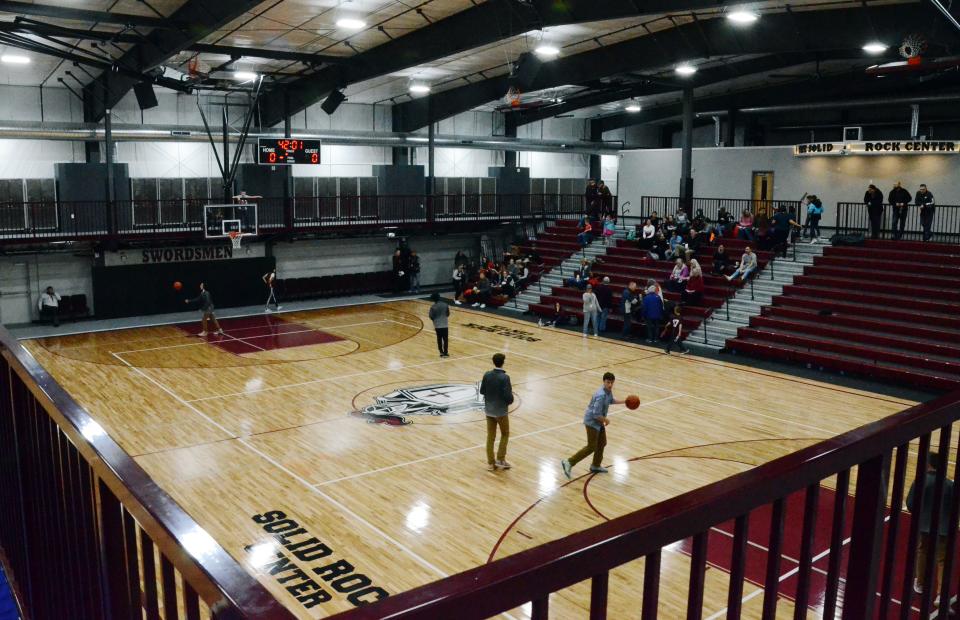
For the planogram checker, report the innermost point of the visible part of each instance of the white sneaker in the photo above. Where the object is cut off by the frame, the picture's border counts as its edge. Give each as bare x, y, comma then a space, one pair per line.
540, 323
267, 310
459, 303
812, 241
279, 307
220, 332
202, 334
483, 305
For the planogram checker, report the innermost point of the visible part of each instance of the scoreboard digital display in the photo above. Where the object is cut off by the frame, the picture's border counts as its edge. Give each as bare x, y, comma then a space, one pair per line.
280, 151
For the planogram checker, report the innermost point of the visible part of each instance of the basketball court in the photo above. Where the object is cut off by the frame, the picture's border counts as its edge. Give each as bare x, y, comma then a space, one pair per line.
339, 459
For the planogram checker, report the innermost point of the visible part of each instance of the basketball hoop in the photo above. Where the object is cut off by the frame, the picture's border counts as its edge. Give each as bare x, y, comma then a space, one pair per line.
235, 238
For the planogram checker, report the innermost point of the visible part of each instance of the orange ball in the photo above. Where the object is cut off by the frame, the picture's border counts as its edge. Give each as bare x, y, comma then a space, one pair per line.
633, 401
177, 285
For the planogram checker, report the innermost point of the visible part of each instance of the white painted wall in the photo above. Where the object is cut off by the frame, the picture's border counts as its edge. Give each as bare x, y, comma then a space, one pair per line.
24, 278
727, 173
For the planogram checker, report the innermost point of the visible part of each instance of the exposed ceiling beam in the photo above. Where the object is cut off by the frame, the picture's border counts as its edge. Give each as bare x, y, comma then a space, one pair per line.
833, 91
477, 26
713, 75
204, 16
253, 52
84, 15
48, 30
837, 29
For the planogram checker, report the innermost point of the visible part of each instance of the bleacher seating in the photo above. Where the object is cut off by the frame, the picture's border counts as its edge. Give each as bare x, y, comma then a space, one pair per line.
888, 310
625, 262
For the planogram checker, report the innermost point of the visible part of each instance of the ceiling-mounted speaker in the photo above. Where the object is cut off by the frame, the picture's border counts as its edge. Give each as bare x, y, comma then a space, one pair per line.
146, 98
332, 102
527, 68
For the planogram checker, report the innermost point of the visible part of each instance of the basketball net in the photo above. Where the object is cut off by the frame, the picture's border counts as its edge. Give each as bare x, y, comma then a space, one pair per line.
235, 238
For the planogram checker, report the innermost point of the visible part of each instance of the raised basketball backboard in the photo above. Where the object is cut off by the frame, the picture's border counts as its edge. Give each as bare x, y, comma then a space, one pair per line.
221, 220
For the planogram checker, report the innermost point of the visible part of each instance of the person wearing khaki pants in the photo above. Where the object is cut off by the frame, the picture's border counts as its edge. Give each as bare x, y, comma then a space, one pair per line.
595, 420
929, 539
497, 397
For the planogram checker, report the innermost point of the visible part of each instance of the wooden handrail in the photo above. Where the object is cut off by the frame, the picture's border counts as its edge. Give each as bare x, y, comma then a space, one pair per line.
216, 577
532, 574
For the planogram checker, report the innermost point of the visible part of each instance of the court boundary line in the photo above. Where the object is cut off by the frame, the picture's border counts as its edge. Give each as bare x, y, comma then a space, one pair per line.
416, 557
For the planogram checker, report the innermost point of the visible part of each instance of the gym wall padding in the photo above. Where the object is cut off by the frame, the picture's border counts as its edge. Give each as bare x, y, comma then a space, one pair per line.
134, 290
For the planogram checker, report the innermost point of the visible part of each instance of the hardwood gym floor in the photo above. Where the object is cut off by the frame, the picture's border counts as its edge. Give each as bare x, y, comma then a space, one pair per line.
270, 438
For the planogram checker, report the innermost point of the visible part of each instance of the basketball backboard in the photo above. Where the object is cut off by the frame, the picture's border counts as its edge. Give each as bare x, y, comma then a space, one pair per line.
221, 220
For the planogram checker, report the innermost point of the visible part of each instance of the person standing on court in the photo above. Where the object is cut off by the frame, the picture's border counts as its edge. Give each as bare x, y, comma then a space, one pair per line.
899, 198
939, 542
595, 420
873, 198
604, 302
206, 306
440, 315
924, 200
590, 309
629, 299
398, 272
270, 279
497, 397
414, 268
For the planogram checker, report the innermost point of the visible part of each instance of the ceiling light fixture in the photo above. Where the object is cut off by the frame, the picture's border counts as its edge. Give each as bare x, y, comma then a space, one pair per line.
244, 76
685, 69
419, 89
875, 47
12, 59
547, 51
350, 23
742, 17
633, 108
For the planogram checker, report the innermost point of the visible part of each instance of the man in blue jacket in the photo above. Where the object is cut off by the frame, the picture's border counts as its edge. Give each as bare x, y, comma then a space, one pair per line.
652, 315
595, 420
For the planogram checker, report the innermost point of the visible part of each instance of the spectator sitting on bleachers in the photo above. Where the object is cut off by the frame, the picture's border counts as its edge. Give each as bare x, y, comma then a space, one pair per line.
678, 277
697, 239
556, 317
693, 293
669, 227
724, 222
648, 232
652, 315
721, 260
655, 220
580, 276
585, 236
479, 295
745, 226
523, 273
746, 266
677, 248
660, 247
701, 223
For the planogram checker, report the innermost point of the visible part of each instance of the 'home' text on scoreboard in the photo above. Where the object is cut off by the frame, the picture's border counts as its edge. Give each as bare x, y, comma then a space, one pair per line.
278, 151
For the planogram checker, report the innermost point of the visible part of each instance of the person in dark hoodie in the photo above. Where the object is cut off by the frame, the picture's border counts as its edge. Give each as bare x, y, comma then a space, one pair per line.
873, 198
900, 199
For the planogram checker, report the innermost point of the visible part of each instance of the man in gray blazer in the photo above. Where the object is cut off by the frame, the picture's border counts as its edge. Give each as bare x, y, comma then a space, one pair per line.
497, 396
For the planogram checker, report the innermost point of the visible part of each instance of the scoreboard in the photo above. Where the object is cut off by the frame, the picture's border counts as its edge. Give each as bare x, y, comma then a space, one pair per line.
280, 151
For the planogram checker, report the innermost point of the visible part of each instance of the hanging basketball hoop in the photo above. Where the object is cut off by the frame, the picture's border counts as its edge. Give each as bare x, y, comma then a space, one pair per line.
235, 238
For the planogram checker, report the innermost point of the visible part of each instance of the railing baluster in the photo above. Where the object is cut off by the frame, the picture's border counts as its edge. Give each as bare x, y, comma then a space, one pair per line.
946, 583
541, 608
148, 570
871, 497
836, 545
598, 596
810, 503
914, 536
738, 564
169, 581
933, 537
698, 568
771, 584
651, 585
191, 602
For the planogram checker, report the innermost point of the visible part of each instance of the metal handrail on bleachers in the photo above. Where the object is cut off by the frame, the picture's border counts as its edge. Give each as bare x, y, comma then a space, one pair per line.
854, 218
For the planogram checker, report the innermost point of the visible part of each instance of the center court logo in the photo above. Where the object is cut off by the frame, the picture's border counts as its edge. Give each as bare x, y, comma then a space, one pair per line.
439, 399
